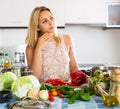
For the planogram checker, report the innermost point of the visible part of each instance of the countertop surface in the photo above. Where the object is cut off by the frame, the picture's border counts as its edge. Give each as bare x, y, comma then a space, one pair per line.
94, 103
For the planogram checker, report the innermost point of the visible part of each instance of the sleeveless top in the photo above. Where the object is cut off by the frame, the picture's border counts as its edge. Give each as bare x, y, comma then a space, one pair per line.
55, 61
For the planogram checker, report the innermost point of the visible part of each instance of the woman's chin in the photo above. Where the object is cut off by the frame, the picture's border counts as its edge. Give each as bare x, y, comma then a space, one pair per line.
51, 31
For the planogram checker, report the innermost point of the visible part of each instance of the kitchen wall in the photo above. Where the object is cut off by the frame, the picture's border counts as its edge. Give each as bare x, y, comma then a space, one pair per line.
92, 44
95, 45
0, 39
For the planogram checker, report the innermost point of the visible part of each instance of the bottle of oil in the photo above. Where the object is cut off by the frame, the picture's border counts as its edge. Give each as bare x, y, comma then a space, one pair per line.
1, 58
1, 61
7, 61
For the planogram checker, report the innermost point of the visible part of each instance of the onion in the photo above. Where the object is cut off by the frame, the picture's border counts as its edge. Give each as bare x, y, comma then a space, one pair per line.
78, 77
43, 94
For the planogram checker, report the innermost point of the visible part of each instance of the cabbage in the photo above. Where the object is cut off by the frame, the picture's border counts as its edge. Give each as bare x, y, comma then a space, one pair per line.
22, 85
6, 80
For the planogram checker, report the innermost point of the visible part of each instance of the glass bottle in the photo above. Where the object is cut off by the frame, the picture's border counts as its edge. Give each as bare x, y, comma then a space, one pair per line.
1, 64
22, 58
7, 61
1, 61
17, 57
1, 58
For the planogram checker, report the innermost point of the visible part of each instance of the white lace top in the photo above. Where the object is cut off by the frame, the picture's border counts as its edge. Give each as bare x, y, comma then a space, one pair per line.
55, 61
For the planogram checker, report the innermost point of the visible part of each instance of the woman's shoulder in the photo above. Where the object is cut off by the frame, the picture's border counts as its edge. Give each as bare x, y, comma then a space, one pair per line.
67, 38
28, 48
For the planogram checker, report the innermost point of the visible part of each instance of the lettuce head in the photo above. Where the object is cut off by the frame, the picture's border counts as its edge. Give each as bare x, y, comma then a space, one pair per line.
22, 85
6, 80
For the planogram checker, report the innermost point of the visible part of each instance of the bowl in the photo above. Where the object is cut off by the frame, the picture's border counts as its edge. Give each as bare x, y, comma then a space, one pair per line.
5, 96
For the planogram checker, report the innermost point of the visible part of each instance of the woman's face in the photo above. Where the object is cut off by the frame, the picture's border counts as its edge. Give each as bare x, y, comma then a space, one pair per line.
46, 22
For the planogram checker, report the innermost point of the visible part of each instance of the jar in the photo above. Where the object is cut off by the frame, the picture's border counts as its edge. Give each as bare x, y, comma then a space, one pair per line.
17, 71
26, 71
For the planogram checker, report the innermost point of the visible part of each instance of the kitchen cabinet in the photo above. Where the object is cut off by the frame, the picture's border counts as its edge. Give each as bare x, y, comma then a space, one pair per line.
112, 0
57, 7
15, 13
85, 11
113, 14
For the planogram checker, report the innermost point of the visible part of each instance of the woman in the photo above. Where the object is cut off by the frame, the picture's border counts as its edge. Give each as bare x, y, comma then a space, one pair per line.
49, 54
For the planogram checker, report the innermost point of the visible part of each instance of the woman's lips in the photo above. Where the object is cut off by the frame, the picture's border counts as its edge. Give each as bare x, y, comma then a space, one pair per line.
51, 29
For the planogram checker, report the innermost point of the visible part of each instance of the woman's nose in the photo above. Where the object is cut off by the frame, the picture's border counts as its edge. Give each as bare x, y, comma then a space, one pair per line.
50, 22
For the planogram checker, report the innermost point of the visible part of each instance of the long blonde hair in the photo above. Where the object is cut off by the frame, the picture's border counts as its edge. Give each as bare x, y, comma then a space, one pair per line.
32, 34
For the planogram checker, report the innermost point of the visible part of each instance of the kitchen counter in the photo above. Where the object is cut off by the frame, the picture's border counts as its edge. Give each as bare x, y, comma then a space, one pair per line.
94, 103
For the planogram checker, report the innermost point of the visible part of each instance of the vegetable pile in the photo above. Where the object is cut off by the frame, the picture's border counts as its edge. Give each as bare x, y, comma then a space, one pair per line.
77, 78
64, 91
29, 86
58, 81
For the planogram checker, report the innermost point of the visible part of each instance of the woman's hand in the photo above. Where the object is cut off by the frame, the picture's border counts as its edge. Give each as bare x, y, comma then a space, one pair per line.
44, 39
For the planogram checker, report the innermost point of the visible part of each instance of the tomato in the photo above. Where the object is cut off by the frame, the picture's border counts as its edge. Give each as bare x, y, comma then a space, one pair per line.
58, 81
60, 94
51, 98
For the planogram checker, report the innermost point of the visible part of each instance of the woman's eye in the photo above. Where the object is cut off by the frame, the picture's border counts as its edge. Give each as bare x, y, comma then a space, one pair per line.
45, 21
52, 18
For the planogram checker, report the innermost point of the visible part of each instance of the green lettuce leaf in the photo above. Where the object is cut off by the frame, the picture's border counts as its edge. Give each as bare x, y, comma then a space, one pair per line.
22, 85
6, 80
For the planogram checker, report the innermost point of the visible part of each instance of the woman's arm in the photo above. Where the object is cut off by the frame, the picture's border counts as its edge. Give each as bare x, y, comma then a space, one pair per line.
34, 61
73, 62
34, 56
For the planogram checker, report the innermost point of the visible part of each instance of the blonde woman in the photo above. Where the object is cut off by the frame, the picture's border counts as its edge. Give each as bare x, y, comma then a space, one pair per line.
49, 54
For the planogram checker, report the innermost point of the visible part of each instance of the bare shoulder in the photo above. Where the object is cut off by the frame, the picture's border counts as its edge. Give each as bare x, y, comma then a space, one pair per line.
67, 39
28, 48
